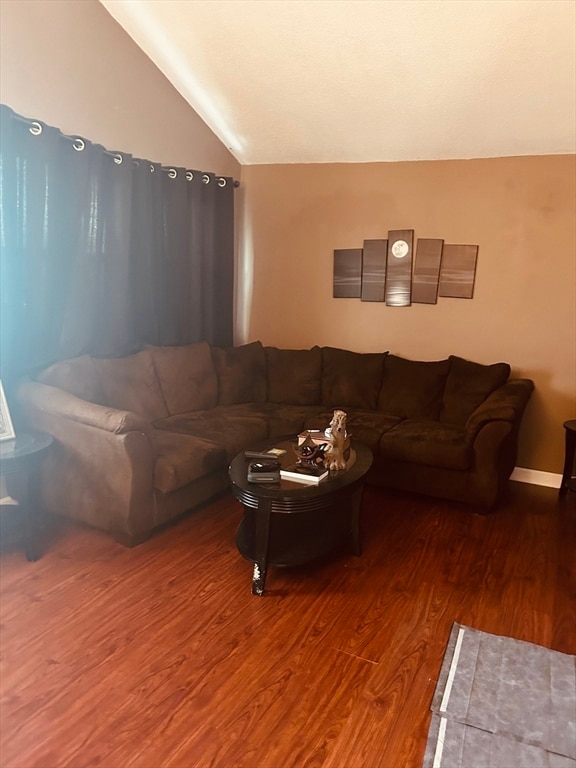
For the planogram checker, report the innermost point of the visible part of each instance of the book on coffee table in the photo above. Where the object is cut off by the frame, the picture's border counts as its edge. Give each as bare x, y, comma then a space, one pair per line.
304, 473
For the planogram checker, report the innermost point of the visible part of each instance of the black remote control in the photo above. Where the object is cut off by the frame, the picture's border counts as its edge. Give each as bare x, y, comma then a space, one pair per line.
260, 455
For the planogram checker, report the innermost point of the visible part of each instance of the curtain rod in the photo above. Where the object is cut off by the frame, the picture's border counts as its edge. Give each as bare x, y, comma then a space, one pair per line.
36, 128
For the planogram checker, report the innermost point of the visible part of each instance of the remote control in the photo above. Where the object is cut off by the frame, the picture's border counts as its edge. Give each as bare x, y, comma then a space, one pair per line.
259, 455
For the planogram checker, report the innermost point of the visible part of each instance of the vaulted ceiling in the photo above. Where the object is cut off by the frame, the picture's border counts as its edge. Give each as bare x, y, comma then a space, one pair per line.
313, 81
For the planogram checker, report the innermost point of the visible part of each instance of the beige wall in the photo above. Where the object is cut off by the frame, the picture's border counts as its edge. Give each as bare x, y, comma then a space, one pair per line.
521, 213
69, 64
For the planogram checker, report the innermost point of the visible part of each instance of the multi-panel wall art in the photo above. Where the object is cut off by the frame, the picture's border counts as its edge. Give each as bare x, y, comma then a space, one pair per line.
400, 273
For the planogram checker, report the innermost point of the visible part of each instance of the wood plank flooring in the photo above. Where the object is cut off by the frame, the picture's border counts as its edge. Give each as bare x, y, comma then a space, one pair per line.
160, 656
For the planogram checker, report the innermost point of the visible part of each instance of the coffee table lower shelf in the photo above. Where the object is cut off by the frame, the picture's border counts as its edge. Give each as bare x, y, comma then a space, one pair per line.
296, 531
288, 523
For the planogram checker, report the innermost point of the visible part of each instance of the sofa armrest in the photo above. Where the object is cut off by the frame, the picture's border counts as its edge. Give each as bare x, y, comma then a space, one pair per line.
100, 470
57, 402
507, 403
492, 432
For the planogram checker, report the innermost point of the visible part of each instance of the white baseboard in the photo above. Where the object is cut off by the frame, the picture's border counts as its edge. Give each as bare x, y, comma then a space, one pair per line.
536, 477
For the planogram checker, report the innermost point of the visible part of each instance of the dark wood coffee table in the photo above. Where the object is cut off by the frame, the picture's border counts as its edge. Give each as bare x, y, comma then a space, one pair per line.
289, 523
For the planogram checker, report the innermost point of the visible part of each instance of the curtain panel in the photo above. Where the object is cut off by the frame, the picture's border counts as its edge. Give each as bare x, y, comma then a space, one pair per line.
103, 253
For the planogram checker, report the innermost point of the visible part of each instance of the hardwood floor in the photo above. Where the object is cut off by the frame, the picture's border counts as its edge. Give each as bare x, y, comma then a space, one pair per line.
160, 656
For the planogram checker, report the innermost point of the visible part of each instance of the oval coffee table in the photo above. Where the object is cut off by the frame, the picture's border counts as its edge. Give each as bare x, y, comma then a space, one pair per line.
289, 523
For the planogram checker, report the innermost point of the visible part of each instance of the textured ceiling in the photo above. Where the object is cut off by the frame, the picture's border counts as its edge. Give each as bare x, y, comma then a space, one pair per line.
315, 81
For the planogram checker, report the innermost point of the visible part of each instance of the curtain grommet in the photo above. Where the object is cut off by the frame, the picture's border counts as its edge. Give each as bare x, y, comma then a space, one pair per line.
78, 145
189, 176
118, 159
35, 128
205, 178
221, 182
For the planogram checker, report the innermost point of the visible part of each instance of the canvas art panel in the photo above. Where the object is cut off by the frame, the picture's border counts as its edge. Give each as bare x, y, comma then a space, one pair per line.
399, 268
348, 273
458, 271
374, 270
426, 270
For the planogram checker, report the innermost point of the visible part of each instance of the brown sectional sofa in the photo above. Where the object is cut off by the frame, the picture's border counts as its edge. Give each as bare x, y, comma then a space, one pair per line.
141, 439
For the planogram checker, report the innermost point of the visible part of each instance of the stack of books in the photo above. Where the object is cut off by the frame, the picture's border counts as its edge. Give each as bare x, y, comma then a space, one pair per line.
305, 473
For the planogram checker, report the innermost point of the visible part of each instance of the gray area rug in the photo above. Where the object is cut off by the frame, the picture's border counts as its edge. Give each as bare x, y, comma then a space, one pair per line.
502, 703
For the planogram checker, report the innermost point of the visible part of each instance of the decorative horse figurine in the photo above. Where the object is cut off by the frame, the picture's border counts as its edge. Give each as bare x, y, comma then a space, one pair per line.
337, 439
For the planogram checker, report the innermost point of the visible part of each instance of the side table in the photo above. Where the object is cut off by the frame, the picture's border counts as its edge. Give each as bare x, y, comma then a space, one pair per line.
567, 484
20, 461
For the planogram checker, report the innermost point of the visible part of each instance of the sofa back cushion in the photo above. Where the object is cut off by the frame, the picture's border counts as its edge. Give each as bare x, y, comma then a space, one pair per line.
468, 385
130, 384
241, 373
187, 377
78, 376
294, 376
351, 379
413, 389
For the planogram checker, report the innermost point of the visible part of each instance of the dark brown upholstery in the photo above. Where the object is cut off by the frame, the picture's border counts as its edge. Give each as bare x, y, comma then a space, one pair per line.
365, 426
182, 458
427, 442
230, 431
294, 375
130, 383
241, 373
504, 403
351, 379
78, 376
412, 389
186, 376
468, 385
142, 439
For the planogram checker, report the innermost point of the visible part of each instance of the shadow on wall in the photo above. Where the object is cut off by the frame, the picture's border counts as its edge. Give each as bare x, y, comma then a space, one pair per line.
544, 411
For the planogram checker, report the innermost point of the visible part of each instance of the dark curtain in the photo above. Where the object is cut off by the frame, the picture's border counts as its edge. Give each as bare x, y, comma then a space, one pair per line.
103, 253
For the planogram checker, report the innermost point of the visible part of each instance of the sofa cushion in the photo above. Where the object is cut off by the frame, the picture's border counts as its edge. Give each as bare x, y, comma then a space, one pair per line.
231, 432
241, 373
413, 389
78, 376
427, 442
351, 379
281, 419
467, 386
294, 376
181, 459
130, 383
365, 426
187, 377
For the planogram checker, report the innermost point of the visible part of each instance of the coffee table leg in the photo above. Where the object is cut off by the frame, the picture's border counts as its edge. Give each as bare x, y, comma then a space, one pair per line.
262, 541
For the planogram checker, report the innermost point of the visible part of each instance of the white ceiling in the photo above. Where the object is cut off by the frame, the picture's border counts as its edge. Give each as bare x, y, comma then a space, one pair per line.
316, 81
